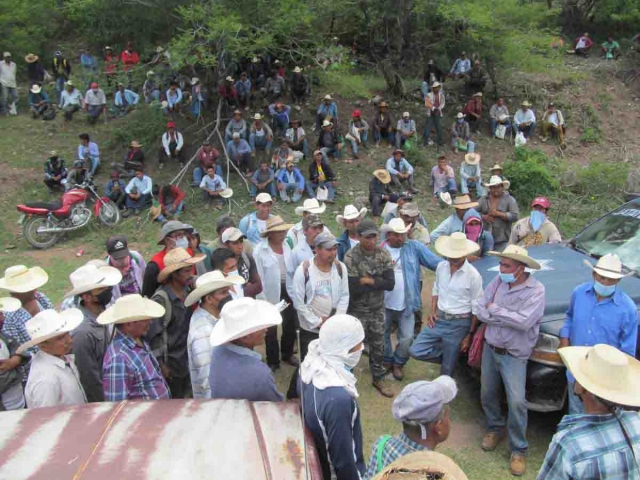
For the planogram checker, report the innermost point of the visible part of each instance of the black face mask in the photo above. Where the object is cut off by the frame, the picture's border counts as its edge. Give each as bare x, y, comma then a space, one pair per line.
104, 298
224, 301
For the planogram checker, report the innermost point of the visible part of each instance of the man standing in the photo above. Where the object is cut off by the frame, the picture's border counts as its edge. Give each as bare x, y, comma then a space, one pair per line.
312, 226
434, 103
130, 264
525, 120
8, 85
61, 70
370, 273
349, 220
172, 144
93, 287
321, 175
234, 240
600, 312
253, 224
309, 206
275, 268
454, 305
299, 86
512, 306
536, 229
405, 130
55, 172
138, 192
454, 222
401, 171
553, 122
130, 371
499, 210
95, 102
404, 300
167, 335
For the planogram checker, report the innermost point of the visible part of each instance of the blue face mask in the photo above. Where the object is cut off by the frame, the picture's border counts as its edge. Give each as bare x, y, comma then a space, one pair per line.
537, 218
507, 277
603, 290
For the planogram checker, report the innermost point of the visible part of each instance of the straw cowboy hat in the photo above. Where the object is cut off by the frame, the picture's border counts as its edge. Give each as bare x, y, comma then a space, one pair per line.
155, 212
436, 85
226, 193
455, 245
257, 116
135, 144
609, 266
525, 104
159, 49
327, 123
518, 254
422, 465
20, 279
460, 115
242, 317
463, 202
495, 180
275, 224
131, 308
606, 372
49, 324
495, 167
311, 205
328, 97
36, 89
195, 80
9, 304
382, 175
229, 78
351, 213
297, 70
31, 58
210, 282
478, 94
395, 226
90, 277
472, 158
175, 260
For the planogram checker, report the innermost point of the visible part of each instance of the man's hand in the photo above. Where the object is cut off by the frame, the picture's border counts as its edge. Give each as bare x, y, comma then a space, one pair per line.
564, 342
465, 344
367, 280
431, 321
488, 218
166, 371
280, 186
10, 364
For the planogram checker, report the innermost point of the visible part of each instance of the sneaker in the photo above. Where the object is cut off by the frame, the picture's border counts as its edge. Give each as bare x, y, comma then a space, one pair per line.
518, 464
491, 440
384, 388
544, 139
397, 372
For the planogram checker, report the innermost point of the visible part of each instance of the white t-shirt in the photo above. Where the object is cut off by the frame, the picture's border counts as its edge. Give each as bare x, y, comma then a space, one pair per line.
581, 43
352, 242
394, 300
322, 302
283, 267
553, 118
262, 225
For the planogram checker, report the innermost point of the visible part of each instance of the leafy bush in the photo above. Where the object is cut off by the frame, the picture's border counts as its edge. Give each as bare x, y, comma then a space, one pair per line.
146, 124
591, 125
532, 175
600, 179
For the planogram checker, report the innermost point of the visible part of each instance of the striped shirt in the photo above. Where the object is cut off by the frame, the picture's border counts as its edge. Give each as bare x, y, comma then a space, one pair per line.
396, 447
131, 372
593, 446
199, 350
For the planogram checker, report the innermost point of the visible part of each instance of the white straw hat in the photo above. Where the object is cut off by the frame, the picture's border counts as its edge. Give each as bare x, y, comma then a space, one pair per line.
609, 266
351, 213
463, 202
242, 317
20, 279
518, 254
297, 70
226, 193
395, 226
257, 116
472, 158
210, 282
311, 205
36, 88
496, 180
89, 277
131, 308
455, 245
49, 324
9, 304
423, 465
327, 123
328, 97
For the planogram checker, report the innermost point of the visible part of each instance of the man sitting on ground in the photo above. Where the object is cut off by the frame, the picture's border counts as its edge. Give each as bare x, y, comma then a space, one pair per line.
327, 111
77, 175
379, 192
290, 181
461, 66
138, 192
71, 101
553, 123
236, 124
280, 117
443, 179
171, 200
473, 111
406, 130
476, 78
239, 152
55, 173
95, 102
172, 146
297, 139
207, 155
582, 45
262, 180
243, 89
213, 188
329, 142
383, 124
125, 100
89, 152
39, 101
401, 171
321, 175
260, 135
274, 86
174, 98
525, 120
115, 190
611, 49
461, 135
358, 132
299, 86
499, 115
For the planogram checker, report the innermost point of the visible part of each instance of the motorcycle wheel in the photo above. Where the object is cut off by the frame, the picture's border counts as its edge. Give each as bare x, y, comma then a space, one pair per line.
109, 214
40, 240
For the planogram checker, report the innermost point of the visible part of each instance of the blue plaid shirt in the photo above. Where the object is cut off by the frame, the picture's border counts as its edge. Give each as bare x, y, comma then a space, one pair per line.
396, 447
130, 372
14, 322
593, 446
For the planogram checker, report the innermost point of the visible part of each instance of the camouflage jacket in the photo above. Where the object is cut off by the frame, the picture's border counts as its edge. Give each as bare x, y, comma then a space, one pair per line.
378, 265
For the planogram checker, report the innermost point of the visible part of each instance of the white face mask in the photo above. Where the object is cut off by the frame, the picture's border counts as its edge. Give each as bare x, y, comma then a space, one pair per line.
181, 242
232, 273
353, 358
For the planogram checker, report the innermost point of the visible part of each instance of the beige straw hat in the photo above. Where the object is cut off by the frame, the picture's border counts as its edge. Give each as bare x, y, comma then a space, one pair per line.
131, 308
382, 175
609, 266
395, 226
472, 158
518, 254
49, 324
455, 245
9, 304
496, 180
175, 260
275, 224
463, 202
20, 279
419, 465
210, 282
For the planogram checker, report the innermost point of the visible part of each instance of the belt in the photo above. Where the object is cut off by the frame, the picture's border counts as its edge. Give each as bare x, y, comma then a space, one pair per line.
449, 316
498, 350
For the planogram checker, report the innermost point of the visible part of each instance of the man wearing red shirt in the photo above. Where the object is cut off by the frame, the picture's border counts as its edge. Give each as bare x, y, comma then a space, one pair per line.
473, 111
207, 155
171, 200
129, 57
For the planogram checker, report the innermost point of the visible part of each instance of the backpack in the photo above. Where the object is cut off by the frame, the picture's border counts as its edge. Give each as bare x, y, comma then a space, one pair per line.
49, 113
168, 313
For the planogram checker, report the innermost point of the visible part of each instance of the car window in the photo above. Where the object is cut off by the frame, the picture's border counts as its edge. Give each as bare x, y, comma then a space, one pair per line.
618, 232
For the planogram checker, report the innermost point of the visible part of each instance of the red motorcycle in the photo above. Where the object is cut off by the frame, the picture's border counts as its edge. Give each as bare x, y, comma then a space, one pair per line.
44, 223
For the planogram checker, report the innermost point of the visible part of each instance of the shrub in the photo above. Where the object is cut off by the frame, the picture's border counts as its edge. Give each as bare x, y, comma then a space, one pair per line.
601, 179
532, 175
145, 124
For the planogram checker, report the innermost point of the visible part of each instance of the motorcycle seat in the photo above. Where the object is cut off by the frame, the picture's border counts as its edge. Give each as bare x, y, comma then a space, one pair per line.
51, 206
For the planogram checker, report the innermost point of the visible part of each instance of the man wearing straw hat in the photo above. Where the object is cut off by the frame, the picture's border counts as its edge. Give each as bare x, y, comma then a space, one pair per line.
423, 465
470, 174
130, 371
380, 192
525, 120
600, 312
93, 290
53, 380
168, 334
350, 219
383, 125
260, 135
454, 305
327, 111
237, 371
499, 211
329, 142
512, 307
237, 124
434, 103
39, 101
603, 441
11, 375
454, 222
296, 233
71, 100
275, 267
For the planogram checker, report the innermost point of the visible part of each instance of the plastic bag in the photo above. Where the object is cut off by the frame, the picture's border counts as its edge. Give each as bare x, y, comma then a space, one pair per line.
520, 140
322, 194
462, 145
501, 130
407, 145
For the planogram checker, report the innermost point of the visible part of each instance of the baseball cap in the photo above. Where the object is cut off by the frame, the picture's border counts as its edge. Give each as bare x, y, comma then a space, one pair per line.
325, 240
231, 235
117, 247
367, 227
311, 220
264, 198
423, 401
410, 209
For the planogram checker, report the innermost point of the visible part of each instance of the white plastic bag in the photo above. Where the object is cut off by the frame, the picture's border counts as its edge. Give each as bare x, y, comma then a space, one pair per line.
501, 131
520, 140
322, 194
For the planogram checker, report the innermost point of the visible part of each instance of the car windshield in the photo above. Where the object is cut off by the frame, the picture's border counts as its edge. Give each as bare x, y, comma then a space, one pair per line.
618, 232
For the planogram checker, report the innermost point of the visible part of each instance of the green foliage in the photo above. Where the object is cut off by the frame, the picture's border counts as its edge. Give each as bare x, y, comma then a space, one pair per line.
601, 179
532, 175
342, 82
145, 124
591, 125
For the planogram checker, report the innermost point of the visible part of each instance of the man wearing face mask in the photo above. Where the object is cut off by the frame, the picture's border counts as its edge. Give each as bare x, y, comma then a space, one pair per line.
473, 229
600, 312
93, 288
173, 235
210, 295
512, 307
535, 229
129, 262
224, 260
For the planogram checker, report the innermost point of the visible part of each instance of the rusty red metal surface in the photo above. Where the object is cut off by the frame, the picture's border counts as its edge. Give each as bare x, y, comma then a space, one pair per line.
167, 439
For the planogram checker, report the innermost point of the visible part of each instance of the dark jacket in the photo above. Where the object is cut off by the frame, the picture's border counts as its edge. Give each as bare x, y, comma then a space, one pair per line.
335, 139
90, 342
313, 172
35, 72
377, 188
60, 170
298, 83
437, 73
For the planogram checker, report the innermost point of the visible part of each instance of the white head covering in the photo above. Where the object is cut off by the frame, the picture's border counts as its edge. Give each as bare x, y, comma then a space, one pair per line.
324, 365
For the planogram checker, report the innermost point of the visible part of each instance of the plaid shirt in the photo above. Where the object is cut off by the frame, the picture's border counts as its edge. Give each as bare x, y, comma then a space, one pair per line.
14, 322
130, 372
593, 446
396, 447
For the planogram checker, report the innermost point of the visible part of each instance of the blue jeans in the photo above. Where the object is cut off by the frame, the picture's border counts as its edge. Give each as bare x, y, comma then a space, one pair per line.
326, 151
433, 121
60, 81
364, 136
494, 124
174, 212
94, 111
575, 403
312, 187
498, 370
528, 131
137, 204
377, 136
465, 185
198, 174
271, 188
154, 95
451, 187
293, 187
406, 322
227, 137
303, 147
255, 141
94, 162
441, 342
